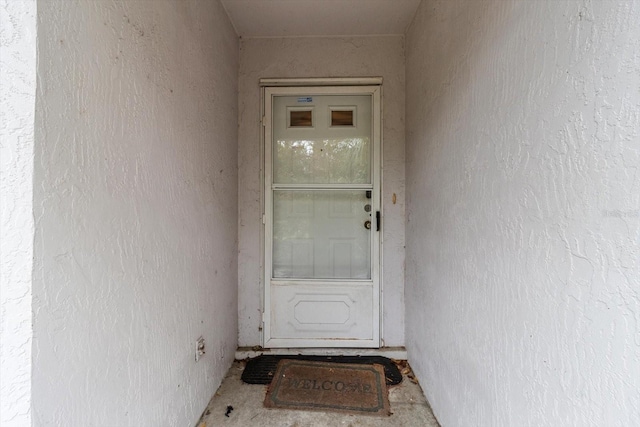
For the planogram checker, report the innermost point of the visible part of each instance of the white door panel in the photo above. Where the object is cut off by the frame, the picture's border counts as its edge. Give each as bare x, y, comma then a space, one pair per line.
339, 312
322, 185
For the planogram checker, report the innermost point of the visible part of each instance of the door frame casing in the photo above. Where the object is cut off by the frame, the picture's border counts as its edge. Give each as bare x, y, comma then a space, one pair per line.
333, 86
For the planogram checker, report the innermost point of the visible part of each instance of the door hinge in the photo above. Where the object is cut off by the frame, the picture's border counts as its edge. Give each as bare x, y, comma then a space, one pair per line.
264, 219
261, 327
262, 121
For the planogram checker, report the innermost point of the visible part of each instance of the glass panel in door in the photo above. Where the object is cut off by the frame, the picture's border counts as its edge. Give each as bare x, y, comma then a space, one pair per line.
321, 150
321, 234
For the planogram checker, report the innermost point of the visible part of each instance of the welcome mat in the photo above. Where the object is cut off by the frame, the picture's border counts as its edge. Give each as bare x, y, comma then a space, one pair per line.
324, 386
261, 369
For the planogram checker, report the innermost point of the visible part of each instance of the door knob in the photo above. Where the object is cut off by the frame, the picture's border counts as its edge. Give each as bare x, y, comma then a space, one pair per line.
367, 225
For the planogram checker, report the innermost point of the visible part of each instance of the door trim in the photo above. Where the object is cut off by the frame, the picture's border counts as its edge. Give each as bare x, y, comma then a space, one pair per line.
330, 81
346, 86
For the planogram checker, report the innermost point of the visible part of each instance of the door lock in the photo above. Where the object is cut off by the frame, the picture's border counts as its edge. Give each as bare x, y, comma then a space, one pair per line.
367, 225
367, 208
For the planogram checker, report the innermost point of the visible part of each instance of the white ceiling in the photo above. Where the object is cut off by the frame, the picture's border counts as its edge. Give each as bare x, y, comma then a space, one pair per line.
288, 18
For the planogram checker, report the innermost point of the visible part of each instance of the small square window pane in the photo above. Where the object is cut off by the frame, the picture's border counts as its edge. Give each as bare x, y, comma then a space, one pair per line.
300, 119
342, 118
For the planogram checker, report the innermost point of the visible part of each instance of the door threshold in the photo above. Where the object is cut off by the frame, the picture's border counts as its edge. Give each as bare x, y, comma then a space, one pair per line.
398, 353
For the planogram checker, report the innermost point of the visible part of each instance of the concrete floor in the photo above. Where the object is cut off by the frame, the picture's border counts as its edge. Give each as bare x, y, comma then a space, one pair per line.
408, 406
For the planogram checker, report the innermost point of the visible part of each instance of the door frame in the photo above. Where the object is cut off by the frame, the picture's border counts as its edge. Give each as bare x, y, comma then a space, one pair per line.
334, 86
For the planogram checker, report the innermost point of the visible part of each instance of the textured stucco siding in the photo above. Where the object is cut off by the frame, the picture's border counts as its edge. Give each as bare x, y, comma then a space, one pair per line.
135, 207
523, 211
17, 109
321, 57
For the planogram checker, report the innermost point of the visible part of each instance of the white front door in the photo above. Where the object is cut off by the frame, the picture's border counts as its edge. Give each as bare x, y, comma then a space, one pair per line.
322, 215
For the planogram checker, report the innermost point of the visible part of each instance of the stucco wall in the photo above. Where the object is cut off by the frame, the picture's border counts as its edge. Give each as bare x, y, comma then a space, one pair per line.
320, 57
523, 211
136, 210
17, 108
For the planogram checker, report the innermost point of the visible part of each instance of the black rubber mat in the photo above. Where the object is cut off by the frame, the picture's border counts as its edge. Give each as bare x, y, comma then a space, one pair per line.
260, 370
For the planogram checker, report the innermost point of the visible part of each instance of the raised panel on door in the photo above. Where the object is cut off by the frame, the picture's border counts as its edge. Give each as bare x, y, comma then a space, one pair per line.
332, 312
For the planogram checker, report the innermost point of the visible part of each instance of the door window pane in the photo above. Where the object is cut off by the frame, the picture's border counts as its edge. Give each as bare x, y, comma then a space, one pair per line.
300, 118
321, 235
329, 152
342, 117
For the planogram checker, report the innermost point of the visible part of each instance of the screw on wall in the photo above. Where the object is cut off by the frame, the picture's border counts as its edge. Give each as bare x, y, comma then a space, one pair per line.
199, 348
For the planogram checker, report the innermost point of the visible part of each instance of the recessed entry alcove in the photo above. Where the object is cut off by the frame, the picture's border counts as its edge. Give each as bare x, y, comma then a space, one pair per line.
187, 182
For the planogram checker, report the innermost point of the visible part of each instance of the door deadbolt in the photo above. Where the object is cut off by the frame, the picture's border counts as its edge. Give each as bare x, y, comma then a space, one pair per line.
367, 208
367, 225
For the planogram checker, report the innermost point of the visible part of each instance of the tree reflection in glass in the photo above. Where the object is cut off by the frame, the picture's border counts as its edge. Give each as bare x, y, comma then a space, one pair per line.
322, 161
